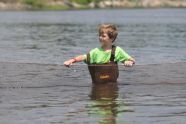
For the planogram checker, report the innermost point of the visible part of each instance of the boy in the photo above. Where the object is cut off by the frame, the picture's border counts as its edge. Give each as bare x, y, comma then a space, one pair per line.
107, 35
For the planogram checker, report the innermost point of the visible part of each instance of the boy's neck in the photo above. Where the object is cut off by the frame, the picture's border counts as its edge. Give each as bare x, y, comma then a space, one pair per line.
107, 47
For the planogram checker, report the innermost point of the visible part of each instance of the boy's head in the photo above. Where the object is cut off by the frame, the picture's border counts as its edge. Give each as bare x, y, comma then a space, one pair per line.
107, 33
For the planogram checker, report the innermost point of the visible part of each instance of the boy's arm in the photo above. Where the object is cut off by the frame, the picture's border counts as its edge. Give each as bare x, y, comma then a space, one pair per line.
79, 58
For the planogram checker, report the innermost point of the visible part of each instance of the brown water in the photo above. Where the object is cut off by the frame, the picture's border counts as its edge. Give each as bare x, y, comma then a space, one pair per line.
36, 88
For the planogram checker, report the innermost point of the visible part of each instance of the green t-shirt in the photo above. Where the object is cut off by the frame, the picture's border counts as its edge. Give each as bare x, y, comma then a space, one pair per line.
99, 56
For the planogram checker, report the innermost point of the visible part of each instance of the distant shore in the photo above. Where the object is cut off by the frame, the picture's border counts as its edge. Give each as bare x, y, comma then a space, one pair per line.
89, 4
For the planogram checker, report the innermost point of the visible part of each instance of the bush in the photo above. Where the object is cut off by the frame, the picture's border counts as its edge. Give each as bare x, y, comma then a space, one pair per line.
36, 4
83, 2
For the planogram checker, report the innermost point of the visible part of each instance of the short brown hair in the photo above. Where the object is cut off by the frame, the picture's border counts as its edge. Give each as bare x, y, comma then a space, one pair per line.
109, 29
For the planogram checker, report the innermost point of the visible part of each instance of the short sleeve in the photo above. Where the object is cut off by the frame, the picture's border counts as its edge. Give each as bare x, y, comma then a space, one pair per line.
85, 56
92, 55
121, 55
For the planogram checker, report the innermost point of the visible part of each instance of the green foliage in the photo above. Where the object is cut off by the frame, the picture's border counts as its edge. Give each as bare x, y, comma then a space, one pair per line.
56, 7
41, 5
83, 2
35, 4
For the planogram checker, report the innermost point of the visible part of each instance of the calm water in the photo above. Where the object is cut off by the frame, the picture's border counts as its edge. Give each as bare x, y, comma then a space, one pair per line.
36, 88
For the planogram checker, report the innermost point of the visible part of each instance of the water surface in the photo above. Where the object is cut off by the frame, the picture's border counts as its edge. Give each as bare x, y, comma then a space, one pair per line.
36, 88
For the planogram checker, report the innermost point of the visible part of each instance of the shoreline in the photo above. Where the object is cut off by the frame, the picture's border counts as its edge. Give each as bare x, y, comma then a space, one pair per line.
24, 5
127, 8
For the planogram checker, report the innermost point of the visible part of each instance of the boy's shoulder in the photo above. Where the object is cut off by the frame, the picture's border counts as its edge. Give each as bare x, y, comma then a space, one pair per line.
118, 48
95, 49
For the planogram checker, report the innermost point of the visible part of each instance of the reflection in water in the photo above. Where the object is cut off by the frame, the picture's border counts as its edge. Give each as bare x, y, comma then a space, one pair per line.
105, 105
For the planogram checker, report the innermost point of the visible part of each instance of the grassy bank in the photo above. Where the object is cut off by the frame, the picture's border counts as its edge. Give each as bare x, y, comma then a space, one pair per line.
42, 5
58, 4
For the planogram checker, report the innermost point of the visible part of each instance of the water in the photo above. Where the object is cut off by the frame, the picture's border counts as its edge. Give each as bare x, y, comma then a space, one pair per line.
36, 88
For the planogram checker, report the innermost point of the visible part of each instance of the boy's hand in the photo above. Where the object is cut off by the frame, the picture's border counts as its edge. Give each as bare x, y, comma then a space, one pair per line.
73, 60
128, 63
68, 63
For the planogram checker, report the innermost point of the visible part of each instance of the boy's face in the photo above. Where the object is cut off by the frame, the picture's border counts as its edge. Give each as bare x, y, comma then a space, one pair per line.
104, 39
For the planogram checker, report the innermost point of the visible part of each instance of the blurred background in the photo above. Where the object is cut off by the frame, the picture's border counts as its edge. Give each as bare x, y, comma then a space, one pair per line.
85, 4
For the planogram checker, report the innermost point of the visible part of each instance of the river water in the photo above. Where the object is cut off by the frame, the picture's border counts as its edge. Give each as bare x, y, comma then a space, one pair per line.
36, 88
